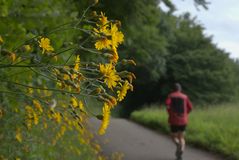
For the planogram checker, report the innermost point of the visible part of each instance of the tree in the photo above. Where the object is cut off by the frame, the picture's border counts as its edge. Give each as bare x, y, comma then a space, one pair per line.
198, 64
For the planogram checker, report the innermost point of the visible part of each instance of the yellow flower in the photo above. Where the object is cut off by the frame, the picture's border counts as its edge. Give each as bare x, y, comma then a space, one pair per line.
1, 40
44, 43
81, 106
102, 30
103, 19
105, 120
66, 77
57, 117
77, 63
30, 91
59, 84
114, 58
62, 130
18, 135
103, 43
105, 69
76, 67
38, 106
112, 101
27, 48
12, 56
28, 109
110, 76
111, 79
74, 102
28, 123
123, 91
35, 118
30, 117
117, 36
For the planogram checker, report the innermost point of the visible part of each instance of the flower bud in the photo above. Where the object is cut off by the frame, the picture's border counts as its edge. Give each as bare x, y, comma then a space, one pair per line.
1, 40
27, 48
94, 14
96, 1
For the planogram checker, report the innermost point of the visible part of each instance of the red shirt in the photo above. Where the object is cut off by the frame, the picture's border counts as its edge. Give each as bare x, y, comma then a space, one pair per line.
178, 107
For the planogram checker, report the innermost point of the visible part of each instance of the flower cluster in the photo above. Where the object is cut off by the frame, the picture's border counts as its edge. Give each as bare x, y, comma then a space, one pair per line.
54, 85
108, 38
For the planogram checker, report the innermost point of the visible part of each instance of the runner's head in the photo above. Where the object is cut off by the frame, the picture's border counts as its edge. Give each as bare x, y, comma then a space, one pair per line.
177, 87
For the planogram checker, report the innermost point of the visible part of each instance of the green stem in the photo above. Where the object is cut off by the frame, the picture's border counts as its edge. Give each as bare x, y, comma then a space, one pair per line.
50, 89
55, 80
83, 15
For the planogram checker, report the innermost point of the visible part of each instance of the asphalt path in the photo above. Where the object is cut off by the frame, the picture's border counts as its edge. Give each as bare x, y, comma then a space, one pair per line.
136, 142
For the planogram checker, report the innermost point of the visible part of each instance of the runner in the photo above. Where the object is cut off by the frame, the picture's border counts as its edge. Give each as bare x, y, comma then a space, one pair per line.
178, 107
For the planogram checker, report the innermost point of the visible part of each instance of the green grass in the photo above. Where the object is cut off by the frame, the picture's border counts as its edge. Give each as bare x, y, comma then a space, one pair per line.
215, 128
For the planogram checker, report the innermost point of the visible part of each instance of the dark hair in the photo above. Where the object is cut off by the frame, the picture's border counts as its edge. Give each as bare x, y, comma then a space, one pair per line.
177, 87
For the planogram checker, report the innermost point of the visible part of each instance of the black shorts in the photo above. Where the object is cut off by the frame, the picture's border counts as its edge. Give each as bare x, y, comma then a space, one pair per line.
177, 128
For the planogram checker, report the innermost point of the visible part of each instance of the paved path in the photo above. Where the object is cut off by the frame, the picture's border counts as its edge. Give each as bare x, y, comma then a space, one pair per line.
139, 143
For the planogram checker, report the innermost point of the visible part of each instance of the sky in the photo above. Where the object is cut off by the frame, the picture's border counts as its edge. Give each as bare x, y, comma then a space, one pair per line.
221, 21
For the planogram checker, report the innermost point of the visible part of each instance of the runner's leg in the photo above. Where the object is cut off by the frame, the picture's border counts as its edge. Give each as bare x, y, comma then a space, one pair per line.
181, 140
175, 138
